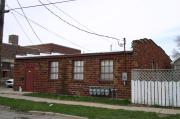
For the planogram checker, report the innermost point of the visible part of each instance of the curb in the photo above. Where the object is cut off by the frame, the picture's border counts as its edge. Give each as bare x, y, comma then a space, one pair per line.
56, 114
6, 107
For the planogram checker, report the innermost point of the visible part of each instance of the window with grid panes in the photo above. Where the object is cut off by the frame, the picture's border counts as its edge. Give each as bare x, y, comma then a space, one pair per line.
54, 67
107, 70
78, 70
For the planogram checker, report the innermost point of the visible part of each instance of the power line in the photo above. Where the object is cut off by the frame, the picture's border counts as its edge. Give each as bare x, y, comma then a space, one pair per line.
29, 22
69, 15
32, 6
89, 32
52, 32
72, 18
18, 22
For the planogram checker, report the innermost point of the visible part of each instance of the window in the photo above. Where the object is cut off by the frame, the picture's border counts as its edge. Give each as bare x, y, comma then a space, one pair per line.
54, 70
78, 70
107, 70
6, 65
5, 74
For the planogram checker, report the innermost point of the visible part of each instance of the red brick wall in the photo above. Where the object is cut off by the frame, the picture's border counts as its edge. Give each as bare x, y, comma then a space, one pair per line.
10, 51
41, 81
148, 55
144, 52
92, 75
54, 48
66, 84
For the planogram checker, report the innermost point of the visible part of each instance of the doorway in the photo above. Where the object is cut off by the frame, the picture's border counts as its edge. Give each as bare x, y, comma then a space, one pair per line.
29, 77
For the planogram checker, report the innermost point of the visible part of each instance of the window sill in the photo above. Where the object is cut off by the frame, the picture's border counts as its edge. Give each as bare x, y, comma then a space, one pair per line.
106, 81
76, 80
53, 79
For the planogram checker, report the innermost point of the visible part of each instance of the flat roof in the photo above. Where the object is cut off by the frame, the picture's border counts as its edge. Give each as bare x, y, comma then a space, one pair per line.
50, 56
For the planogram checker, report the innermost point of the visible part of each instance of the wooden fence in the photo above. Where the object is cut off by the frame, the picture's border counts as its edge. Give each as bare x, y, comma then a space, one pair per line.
156, 87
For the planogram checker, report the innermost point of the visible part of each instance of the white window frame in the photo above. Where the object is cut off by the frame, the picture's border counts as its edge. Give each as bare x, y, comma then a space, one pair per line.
54, 70
107, 70
78, 70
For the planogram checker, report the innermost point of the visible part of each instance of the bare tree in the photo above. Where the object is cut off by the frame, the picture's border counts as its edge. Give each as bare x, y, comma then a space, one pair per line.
178, 41
176, 52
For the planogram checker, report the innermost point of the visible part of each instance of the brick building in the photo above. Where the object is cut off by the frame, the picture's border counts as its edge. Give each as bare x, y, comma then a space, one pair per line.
11, 49
99, 74
54, 48
8, 54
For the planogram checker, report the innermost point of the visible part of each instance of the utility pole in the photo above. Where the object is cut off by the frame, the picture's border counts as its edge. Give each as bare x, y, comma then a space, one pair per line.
125, 64
2, 11
124, 46
124, 73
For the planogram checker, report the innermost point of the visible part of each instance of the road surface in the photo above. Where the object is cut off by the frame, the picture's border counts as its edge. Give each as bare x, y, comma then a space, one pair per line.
7, 113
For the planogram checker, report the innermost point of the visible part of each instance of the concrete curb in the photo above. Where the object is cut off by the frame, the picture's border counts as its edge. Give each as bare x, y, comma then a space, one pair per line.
56, 114
6, 107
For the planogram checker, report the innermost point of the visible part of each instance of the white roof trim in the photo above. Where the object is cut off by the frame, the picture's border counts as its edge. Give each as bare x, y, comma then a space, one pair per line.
41, 54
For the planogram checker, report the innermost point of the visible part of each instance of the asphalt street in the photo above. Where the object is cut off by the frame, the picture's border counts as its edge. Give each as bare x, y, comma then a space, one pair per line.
7, 113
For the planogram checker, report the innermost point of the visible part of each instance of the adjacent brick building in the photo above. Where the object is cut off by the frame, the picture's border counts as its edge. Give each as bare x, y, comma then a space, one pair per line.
98, 74
8, 54
54, 48
11, 49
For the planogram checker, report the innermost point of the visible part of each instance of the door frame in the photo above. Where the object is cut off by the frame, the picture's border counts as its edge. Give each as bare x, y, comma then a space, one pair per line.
31, 67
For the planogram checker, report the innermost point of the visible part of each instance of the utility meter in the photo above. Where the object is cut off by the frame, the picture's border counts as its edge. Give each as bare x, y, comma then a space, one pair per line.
98, 91
124, 76
94, 91
107, 92
91, 91
102, 91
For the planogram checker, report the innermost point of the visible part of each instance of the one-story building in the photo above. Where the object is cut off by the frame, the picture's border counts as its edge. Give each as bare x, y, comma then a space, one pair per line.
97, 74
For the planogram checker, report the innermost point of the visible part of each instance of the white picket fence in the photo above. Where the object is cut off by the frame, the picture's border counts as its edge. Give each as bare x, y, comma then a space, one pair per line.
156, 87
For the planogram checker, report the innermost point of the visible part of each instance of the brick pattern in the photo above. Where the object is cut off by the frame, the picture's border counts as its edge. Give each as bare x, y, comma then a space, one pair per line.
140, 57
147, 55
54, 48
10, 51
92, 75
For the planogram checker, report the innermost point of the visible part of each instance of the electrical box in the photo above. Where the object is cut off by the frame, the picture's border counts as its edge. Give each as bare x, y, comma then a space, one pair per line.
124, 76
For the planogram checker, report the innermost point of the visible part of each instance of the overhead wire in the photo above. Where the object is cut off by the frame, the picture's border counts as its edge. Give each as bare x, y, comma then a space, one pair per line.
21, 27
75, 20
52, 32
80, 29
39, 5
68, 15
29, 23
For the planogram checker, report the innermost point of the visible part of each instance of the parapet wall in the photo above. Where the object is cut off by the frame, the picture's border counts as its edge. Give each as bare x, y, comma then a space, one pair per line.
148, 54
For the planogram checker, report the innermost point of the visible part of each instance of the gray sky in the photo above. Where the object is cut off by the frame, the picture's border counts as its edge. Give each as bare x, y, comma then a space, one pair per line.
133, 19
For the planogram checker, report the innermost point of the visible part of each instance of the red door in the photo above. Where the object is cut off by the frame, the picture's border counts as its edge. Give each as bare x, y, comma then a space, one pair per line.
29, 77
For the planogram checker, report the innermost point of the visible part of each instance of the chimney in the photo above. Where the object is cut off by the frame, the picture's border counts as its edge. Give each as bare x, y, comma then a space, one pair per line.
13, 39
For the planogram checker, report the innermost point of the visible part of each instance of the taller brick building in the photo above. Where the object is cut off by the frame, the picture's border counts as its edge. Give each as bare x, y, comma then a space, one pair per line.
100, 74
11, 49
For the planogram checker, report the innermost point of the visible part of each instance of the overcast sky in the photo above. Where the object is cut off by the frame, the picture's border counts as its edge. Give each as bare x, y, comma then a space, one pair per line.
133, 19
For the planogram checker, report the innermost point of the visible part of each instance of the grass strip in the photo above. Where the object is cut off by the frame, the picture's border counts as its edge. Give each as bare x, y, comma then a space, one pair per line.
83, 111
81, 98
